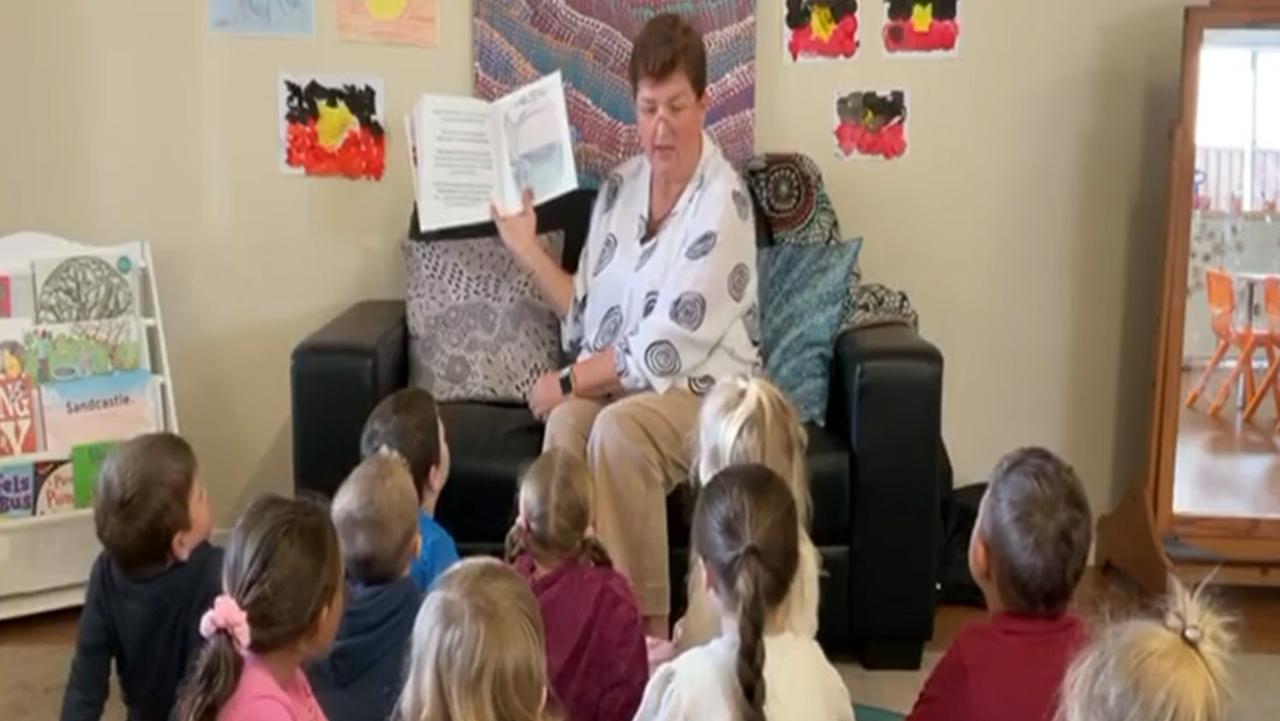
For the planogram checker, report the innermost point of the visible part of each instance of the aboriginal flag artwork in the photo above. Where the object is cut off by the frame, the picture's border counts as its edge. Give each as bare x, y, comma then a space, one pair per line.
821, 29
871, 125
332, 125
921, 26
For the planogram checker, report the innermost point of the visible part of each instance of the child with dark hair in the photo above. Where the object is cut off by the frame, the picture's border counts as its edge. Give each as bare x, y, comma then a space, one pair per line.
1027, 553
747, 532
408, 422
156, 574
375, 513
594, 631
280, 607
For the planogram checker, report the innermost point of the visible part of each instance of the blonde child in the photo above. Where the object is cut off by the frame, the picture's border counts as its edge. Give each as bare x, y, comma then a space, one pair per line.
594, 631
281, 603
748, 420
477, 651
155, 576
1173, 668
747, 532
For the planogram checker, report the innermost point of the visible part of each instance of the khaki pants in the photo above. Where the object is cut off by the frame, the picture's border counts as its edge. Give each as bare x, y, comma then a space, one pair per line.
638, 449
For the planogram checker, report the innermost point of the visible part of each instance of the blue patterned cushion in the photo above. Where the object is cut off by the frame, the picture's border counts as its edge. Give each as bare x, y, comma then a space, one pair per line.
802, 291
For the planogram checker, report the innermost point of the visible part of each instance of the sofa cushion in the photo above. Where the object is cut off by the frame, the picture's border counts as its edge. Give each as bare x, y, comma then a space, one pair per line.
478, 328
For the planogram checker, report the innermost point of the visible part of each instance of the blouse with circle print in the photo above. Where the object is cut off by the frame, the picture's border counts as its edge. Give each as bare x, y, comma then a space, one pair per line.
679, 308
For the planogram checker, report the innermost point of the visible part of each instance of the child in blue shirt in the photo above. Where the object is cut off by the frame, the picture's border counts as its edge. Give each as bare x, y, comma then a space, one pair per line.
408, 423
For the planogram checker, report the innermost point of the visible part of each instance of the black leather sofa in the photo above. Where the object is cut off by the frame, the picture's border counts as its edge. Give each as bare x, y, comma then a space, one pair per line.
875, 466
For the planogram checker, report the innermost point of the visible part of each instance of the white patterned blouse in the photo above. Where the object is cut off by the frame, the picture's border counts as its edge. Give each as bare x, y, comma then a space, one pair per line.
680, 307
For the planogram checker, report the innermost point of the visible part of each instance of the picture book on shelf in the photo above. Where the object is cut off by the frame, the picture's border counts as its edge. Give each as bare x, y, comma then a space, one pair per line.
55, 490
17, 490
85, 349
86, 287
19, 404
86, 464
101, 408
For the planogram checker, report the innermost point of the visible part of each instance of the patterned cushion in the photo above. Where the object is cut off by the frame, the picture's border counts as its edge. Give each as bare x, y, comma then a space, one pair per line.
479, 330
795, 205
802, 291
873, 304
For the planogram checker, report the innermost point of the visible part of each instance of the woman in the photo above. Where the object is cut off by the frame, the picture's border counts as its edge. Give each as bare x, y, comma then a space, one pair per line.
657, 312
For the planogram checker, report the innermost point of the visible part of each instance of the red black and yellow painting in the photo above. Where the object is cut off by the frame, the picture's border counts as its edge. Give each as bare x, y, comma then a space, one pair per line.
822, 29
332, 126
871, 125
921, 26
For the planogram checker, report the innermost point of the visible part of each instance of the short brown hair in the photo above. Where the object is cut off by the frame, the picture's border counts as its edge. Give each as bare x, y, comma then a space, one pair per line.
668, 44
1037, 525
144, 498
407, 422
376, 514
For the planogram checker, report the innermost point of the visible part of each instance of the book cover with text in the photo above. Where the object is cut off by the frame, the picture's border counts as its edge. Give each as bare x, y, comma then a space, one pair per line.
17, 490
19, 404
104, 408
55, 490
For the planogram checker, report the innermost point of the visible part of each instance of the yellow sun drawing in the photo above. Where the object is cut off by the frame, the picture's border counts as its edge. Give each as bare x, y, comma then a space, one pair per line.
386, 10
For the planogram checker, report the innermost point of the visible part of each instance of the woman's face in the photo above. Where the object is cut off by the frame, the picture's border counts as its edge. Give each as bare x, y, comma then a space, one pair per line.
670, 117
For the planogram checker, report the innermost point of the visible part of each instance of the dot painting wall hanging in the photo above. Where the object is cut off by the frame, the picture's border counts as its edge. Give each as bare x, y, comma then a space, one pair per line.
332, 125
928, 27
871, 125
821, 29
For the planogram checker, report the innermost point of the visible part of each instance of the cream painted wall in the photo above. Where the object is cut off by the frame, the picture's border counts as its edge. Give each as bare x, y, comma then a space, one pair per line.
1025, 223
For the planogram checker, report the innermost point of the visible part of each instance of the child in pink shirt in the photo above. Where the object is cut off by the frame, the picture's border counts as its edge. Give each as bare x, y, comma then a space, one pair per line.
594, 632
281, 603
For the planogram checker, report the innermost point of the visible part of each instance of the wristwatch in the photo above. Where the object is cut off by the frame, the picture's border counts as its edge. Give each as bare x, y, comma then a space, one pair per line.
566, 381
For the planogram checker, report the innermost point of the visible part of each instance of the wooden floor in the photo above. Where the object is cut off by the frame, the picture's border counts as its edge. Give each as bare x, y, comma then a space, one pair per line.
1225, 467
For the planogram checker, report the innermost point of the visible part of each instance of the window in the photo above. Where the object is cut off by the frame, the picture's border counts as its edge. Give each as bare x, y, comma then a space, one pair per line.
1238, 124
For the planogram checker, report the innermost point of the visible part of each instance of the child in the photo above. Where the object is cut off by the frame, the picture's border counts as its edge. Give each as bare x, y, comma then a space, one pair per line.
408, 423
375, 512
747, 533
477, 649
1172, 669
1027, 553
282, 599
594, 631
748, 420
156, 574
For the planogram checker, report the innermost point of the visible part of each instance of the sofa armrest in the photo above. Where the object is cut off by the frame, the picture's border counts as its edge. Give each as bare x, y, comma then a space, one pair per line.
338, 374
886, 398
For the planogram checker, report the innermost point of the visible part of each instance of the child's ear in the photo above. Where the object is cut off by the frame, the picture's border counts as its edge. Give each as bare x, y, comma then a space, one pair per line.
979, 557
417, 545
180, 546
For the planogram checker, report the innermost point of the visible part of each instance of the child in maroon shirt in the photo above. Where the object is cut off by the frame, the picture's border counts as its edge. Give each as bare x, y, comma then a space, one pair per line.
1027, 553
596, 654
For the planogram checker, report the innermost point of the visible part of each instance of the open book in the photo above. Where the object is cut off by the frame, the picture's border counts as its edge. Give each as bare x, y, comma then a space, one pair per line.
466, 153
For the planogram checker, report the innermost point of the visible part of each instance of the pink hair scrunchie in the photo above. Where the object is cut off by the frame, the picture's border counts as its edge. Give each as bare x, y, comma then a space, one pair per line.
226, 616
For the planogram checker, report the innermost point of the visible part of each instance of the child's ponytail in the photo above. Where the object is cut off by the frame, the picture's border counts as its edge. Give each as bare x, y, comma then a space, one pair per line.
751, 620
554, 508
212, 681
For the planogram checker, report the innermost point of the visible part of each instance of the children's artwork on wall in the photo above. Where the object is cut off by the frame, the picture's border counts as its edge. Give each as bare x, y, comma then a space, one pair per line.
921, 27
17, 490
75, 351
332, 125
821, 29
19, 404
85, 287
55, 490
262, 17
399, 22
516, 42
871, 125
6, 297
102, 408
86, 464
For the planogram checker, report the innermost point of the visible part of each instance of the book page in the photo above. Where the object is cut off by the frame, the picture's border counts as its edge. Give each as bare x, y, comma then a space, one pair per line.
455, 161
536, 150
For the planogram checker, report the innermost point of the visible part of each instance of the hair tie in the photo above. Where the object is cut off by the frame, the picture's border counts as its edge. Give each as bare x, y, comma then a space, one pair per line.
227, 617
1189, 633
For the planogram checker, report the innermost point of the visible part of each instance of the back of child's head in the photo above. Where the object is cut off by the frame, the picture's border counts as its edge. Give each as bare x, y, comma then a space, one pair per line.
749, 420
407, 422
375, 513
1037, 528
282, 571
554, 505
477, 651
746, 530
1172, 668
143, 499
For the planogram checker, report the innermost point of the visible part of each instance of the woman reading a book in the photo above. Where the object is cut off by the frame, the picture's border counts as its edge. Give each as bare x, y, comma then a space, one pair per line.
661, 307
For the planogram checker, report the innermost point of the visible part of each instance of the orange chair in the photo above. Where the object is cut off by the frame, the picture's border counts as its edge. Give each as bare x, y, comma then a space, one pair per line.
1271, 300
1221, 292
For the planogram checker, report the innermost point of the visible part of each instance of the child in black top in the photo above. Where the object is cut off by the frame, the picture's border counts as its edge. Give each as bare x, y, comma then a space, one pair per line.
156, 575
